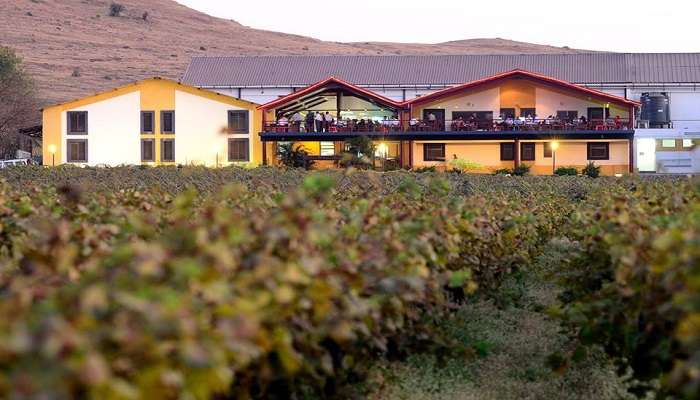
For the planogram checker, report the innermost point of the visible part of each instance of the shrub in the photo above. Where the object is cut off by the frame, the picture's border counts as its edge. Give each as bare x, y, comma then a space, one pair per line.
591, 170
423, 170
116, 10
566, 171
521, 170
359, 153
294, 157
463, 165
503, 171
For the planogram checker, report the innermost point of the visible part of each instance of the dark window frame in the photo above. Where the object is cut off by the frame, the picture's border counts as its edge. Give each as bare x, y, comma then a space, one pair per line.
231, 153
69, 154
162, 122
504, 156
589, 151
69, 127
246, 118
426, 152
548, 150
153, 122
524, 112
530, 147
162, 150
153, 150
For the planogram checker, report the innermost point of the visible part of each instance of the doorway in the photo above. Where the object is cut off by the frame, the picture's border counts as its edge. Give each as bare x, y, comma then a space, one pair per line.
439, 118
646, 155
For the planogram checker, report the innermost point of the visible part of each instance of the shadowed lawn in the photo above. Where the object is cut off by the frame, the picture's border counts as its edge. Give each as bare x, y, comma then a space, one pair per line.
512, 340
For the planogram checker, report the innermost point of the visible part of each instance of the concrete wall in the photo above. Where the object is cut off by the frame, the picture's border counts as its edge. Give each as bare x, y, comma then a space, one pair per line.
113, 130
201, 130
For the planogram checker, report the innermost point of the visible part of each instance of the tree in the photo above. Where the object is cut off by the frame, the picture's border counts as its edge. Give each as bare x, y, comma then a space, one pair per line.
18, 104
294, 157
359, 153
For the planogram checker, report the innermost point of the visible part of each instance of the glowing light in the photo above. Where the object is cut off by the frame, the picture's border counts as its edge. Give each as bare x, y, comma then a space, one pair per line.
555, 146
382, 150
52, 148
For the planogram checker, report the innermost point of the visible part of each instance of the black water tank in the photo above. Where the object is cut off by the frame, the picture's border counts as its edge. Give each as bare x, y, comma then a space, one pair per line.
656, 110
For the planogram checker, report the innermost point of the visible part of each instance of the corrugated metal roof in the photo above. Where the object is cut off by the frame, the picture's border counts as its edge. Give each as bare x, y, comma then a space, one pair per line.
590, 68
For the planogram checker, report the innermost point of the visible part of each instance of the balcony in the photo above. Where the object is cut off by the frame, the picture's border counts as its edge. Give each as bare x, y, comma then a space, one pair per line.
416, 129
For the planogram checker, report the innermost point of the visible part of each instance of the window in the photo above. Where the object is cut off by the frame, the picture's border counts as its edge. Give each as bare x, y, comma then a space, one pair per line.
167, 122
508, 113
527, 151
670, 143
687, 142
167, 150
507, 151
599, 151
148, 150
238, 121
528, 112
77, 122
434, 152
77, 150
147, 121
548, 150
567, 115
327, 149
238, 150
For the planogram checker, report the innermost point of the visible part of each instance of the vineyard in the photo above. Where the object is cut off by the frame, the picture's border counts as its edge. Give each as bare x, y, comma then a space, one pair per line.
193, 283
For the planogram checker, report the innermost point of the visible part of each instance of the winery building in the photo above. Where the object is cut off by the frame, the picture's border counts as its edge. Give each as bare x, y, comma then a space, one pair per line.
666, 128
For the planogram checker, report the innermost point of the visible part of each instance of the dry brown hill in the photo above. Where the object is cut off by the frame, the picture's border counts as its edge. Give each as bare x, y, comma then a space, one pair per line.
74, 47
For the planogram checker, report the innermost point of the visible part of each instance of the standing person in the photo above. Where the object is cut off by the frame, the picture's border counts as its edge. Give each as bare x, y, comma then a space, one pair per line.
296, 121
309, 122
328, 121
319, 122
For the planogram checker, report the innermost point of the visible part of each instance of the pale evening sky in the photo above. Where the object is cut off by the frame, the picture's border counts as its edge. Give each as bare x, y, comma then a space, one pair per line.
623, 26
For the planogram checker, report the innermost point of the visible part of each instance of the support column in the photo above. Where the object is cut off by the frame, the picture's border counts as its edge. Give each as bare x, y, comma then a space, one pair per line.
631, 151
410, 154
264, 153
516, 153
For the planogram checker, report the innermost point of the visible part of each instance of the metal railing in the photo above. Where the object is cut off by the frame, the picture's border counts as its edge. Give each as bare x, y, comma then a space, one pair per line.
460, 125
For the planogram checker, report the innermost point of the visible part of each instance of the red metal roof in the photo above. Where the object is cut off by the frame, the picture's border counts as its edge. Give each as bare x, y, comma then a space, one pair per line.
519, 72
330, 80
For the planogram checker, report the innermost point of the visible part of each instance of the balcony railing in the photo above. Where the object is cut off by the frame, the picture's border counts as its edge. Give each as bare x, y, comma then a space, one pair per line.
416, 125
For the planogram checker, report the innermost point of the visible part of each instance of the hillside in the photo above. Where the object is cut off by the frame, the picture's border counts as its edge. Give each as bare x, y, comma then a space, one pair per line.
74, 47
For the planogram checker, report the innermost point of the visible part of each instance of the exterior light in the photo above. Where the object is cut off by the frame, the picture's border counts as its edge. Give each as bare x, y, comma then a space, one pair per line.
382, 150
52, 150
216, 151
554, 146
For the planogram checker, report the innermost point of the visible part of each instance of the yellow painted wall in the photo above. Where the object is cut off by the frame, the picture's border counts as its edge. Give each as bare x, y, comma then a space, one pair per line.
512, 93
518, 94
488, 155
156, 95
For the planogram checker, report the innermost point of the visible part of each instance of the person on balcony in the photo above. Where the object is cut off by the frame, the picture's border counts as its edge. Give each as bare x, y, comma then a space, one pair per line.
319, 122
432, 120
282, 121
618, 122
309, 122
327, 121
362, 126
296, 121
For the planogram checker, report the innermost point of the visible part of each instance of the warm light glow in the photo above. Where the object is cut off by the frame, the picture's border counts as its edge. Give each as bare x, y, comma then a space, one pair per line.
382, 150
52, 148
555, 146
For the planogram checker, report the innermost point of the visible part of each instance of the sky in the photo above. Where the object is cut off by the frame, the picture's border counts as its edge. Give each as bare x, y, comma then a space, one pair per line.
622, 25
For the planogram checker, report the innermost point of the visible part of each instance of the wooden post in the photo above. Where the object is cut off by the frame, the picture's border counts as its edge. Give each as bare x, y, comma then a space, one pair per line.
631, 151
516, 154
264, 153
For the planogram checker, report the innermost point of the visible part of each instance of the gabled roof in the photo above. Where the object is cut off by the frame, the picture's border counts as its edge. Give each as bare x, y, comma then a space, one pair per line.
522, 73
327, 82
129, 87
441, 70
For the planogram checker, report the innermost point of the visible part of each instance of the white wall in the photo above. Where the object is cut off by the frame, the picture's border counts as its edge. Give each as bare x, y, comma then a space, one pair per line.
685, 109
258, 96
199, 125
549, 102
113, 131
